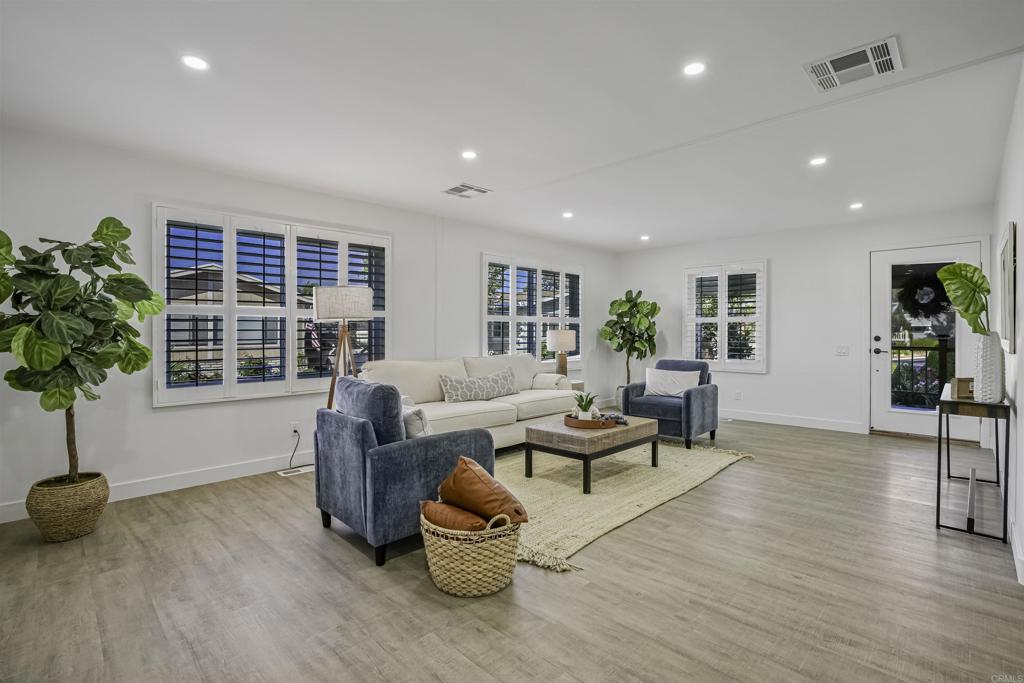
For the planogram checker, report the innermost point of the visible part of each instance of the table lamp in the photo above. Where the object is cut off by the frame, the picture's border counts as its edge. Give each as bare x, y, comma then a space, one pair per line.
561, 341
341, 304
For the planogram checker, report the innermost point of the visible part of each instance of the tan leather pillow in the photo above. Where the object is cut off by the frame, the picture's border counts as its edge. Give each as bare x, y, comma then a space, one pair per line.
471, 488
450, 517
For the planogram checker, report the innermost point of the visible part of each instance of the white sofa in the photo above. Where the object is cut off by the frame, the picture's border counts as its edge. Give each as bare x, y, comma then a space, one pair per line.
540, 394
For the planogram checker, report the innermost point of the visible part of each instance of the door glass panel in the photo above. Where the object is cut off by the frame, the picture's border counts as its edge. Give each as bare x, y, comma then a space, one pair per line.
923, 336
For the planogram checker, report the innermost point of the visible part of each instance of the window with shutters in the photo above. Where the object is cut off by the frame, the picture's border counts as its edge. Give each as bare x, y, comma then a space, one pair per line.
257, 336
726, 316
522, 301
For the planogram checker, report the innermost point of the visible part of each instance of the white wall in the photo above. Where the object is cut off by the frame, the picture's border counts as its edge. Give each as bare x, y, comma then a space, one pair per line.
1010, 207
59, 188
818, 294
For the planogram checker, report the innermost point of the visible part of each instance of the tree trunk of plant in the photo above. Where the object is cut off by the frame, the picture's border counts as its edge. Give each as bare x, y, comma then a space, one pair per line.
69, 431
627, 368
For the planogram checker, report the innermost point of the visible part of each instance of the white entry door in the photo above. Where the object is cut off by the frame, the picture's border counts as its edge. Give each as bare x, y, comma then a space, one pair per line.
918, 342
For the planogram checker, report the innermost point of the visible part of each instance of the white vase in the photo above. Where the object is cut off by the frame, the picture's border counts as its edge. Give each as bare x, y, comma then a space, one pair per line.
988, 375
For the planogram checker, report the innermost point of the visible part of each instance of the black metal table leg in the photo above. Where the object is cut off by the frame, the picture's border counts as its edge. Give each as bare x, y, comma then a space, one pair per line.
949, 470
654, 452
1004, 489
995, 447
938, 475
529, 462
586, 475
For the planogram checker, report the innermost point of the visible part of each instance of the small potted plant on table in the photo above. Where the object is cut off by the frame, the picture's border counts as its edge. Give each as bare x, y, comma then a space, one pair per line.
71, 325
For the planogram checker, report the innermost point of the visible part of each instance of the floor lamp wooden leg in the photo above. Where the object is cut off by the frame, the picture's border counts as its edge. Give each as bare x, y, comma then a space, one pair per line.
342, 335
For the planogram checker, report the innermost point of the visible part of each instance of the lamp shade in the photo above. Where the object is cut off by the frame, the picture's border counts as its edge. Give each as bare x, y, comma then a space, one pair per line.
342, 303
561, 340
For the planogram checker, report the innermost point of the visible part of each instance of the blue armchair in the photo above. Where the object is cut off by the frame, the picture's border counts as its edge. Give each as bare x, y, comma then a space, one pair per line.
685, 417
373, 479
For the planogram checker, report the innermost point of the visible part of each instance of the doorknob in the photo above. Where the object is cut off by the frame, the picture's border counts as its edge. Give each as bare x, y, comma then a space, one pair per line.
877, 338
877, 351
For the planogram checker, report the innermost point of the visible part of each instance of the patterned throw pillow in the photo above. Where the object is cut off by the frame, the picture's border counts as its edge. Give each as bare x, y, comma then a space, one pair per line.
459, 389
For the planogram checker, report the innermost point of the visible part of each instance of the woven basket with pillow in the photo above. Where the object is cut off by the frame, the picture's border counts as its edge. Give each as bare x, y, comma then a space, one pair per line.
472, 533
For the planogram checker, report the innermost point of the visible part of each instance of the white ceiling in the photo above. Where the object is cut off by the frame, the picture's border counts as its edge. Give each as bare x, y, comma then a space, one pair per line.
570, 105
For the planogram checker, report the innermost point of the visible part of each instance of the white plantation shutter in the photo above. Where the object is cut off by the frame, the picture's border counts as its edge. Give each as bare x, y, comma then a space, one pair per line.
239, 320
725, 322
523, 300
702, 314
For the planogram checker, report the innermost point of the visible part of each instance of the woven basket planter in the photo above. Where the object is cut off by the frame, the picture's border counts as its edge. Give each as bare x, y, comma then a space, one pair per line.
62, 512
469, 564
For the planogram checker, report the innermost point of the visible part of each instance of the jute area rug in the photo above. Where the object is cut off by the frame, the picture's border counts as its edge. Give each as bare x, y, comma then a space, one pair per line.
624, 486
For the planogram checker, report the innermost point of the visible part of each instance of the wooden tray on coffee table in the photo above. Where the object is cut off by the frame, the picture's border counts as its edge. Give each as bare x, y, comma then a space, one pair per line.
571, 421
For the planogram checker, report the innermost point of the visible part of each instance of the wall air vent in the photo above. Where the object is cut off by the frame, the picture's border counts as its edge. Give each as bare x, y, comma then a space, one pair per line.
467, 191
873, 59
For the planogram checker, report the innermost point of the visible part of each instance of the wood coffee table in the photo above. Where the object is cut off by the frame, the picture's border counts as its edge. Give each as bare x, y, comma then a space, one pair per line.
589, 444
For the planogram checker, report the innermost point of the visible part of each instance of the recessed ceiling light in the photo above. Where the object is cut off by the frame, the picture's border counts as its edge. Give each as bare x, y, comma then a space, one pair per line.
694, 69
857, 205
567, 214
193, 62
818, 161
645, 237
469, 154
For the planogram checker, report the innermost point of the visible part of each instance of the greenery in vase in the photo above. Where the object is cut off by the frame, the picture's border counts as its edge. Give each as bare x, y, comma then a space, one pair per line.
72, 323
968, 290
584, 402
632, 329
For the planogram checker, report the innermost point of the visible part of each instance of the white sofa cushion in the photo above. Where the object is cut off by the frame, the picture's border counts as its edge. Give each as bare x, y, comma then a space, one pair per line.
551, 380
420, 380
539, 402
523, 365
447, 417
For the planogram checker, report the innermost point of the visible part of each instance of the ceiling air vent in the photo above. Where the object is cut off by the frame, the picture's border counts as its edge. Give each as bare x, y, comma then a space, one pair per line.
466, 191
846, 67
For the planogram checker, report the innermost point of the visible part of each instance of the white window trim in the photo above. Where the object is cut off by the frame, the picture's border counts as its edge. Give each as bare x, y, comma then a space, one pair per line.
230, 389
512, 318
722, 271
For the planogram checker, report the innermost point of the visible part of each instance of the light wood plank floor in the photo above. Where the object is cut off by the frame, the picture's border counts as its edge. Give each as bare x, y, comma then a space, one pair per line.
817, 561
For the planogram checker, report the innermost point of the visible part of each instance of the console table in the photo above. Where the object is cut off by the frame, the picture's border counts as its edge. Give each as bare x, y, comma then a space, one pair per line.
996, 411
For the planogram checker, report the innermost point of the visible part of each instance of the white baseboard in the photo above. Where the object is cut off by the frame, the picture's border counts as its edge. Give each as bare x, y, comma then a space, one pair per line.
795, 420
1017, 550
15, 509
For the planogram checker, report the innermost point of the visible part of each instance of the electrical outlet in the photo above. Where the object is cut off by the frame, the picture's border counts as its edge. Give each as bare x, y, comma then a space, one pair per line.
738, 396
295, 428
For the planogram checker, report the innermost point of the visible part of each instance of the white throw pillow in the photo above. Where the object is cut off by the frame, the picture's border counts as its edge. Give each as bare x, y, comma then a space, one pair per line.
416, 423
670, 382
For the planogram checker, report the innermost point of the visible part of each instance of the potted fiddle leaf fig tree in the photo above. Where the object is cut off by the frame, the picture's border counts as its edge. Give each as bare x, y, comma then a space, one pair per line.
71, 323
632, 330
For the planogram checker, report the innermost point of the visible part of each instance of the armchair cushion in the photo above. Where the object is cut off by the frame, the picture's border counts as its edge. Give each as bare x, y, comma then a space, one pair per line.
670, 382
686, 366
380, 404
657, 407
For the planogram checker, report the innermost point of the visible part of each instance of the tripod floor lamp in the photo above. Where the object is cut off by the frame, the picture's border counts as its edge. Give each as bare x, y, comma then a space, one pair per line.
342, 304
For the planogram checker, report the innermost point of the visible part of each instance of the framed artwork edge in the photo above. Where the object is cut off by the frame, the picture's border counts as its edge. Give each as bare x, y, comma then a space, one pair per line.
1008, 272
